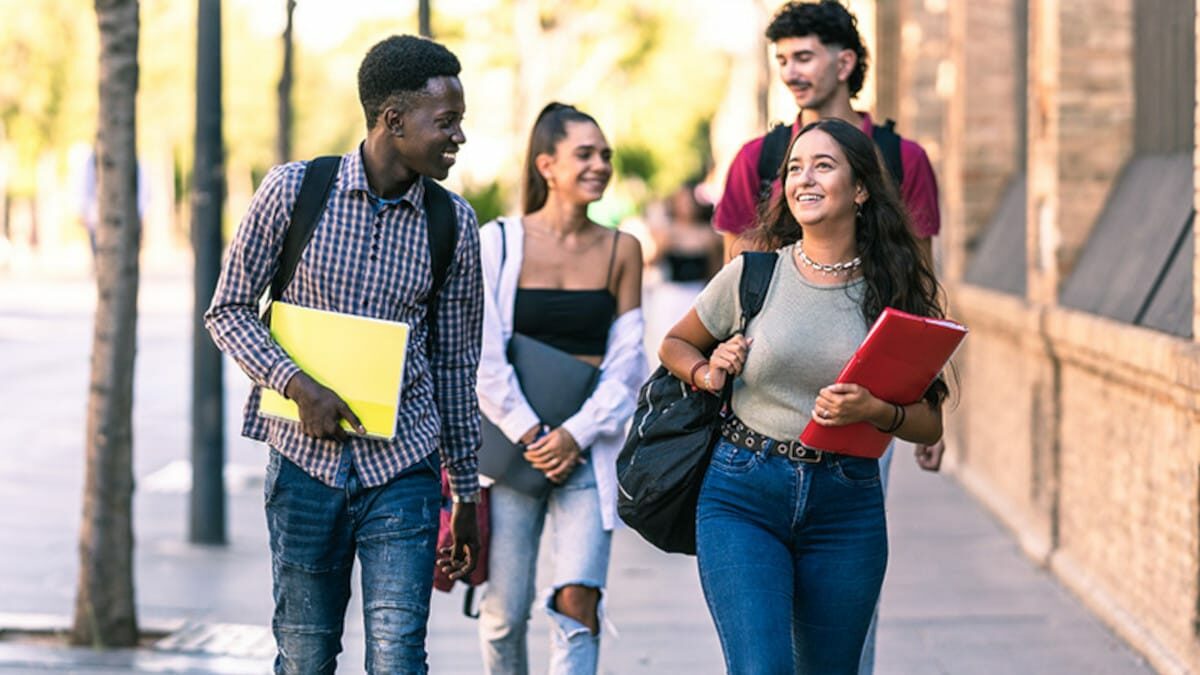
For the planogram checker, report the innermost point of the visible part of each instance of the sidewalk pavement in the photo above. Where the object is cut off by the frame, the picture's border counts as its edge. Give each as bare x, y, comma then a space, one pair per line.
959, 596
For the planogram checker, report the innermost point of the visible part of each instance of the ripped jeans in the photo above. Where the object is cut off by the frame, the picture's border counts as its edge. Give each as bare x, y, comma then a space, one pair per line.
315, 532
579, 547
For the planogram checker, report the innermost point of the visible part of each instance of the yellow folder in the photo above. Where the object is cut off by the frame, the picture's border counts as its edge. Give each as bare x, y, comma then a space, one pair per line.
361, 359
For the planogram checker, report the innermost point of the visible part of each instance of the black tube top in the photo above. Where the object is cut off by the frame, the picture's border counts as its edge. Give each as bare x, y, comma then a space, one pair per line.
683, 267
575, 321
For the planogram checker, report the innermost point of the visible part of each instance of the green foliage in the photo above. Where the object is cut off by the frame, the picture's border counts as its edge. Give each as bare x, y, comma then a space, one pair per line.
634, 160
487, 200
634, 64
48, 54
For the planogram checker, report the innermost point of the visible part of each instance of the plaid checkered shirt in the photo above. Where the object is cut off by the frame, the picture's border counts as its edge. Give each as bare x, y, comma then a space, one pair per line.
369, 258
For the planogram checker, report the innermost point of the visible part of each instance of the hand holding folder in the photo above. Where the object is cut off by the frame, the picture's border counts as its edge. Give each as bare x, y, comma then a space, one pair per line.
897, 361
360, 358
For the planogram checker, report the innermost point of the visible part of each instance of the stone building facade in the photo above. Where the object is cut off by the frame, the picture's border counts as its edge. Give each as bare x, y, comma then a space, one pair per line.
1064, 136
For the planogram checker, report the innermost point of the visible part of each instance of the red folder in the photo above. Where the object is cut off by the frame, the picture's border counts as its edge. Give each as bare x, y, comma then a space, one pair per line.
897, 361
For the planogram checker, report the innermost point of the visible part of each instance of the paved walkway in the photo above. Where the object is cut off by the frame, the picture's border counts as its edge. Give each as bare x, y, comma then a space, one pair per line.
959, 596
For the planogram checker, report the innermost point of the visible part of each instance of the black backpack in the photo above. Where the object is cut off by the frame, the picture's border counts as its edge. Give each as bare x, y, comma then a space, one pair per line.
776, 141
310, 203
662, 465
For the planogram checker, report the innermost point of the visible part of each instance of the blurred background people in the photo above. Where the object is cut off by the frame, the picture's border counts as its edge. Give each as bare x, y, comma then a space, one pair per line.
684, 253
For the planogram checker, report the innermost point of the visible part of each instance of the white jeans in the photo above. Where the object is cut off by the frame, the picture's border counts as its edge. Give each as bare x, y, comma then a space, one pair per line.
580, 551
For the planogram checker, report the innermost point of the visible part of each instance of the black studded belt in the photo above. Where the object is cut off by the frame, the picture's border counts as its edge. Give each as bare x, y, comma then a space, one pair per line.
735, 431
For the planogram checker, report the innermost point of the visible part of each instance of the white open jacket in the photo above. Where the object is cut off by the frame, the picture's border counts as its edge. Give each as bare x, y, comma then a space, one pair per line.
600, 424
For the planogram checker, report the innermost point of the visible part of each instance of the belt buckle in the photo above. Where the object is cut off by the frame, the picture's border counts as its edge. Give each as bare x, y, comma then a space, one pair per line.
799, 452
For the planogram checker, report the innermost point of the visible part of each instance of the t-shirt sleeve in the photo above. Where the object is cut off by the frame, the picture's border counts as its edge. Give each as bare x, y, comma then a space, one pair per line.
736, 211
920, 191
717, 305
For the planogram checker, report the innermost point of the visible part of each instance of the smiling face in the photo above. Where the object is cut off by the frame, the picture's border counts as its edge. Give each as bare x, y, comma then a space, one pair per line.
813, 72
581, 166
428, 134
819, 184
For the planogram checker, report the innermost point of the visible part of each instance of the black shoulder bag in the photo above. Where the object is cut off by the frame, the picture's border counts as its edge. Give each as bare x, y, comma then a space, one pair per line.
666, 454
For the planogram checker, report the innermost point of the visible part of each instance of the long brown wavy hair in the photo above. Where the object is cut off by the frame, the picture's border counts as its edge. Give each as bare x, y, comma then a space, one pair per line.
895, 272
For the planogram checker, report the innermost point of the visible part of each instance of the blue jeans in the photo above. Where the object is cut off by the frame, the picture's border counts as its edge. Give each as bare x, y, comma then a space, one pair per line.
792, 558
866, 664
315, 531
580, 549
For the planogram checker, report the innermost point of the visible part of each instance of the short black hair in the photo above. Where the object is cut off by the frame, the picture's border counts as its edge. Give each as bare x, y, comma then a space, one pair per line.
831, 22
400, 65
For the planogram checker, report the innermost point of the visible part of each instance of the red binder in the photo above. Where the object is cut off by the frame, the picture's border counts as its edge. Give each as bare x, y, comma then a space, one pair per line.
897, 361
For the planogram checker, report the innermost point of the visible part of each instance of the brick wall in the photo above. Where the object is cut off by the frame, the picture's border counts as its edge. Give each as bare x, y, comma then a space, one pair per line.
1080, 433
994, 98
924, 44
1094, 111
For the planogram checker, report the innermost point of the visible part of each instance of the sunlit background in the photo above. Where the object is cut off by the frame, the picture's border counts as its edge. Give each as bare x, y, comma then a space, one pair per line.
677, 86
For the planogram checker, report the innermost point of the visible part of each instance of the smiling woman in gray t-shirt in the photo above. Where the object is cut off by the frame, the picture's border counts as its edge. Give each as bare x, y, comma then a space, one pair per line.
792, 542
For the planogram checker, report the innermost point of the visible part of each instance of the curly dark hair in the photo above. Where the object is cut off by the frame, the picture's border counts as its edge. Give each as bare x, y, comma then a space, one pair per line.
548, 130
397, 69
831, 22
894, 269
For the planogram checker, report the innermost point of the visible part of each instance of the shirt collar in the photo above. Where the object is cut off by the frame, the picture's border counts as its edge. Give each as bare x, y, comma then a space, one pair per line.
354, 177
868, 126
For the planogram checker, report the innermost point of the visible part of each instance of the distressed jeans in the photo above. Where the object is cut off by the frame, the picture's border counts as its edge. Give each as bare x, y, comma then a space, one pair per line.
792, 557
315, 532
580, 549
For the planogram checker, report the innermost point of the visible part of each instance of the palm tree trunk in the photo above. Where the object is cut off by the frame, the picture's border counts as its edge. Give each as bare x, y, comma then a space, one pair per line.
105, 614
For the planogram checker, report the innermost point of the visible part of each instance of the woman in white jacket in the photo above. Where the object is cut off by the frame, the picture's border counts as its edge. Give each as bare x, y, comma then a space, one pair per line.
556, 276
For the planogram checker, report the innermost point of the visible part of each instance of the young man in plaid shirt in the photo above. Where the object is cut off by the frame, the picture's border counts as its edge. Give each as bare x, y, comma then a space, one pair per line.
331, 495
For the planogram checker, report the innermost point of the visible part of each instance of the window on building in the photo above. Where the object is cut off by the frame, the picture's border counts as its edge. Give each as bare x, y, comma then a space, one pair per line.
1136, 266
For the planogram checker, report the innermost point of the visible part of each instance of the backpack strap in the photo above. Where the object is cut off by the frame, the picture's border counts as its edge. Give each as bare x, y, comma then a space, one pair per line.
757, 269
774, 147
443, 237
306, 211
888, 140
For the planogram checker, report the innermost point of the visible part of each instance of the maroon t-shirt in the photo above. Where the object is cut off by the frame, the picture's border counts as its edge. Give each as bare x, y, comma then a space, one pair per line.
736, 210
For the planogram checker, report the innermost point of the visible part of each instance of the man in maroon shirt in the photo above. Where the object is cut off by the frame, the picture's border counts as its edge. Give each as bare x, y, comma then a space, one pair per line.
823, 62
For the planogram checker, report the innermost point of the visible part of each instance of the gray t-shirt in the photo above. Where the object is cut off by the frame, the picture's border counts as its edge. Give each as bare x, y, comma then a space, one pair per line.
803, 337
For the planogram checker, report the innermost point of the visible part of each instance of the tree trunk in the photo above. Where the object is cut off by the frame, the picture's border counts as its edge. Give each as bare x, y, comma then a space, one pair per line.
105, 615
283, 144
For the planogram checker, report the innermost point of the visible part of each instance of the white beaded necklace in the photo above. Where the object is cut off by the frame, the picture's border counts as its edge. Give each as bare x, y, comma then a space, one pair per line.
836, 269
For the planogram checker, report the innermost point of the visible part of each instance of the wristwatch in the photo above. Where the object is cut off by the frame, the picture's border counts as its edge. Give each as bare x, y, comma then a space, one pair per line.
472, 498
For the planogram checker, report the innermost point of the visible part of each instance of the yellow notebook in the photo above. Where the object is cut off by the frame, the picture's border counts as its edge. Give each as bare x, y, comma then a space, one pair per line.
359, 358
